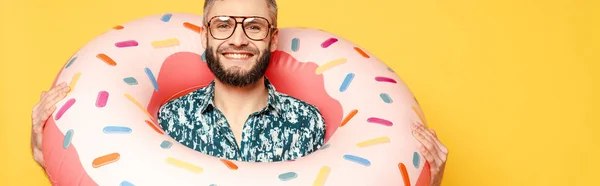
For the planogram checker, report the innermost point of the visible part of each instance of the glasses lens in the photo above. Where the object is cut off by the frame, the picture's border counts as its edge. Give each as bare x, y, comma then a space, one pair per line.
256, 28
222, 27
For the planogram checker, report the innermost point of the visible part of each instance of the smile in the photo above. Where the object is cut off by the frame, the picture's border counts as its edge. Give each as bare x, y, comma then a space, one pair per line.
237, 56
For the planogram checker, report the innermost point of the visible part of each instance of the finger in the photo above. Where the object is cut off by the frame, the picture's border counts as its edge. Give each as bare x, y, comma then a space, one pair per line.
54, 90
52, 100
428, 157
429, 142
43, 93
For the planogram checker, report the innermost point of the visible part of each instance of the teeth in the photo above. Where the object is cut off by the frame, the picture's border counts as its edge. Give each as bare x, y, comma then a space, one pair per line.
237, 56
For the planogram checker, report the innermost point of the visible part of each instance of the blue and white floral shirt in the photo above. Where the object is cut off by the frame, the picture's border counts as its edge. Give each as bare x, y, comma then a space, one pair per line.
286, 129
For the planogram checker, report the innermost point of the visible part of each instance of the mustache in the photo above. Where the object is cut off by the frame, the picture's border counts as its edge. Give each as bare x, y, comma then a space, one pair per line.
238, 49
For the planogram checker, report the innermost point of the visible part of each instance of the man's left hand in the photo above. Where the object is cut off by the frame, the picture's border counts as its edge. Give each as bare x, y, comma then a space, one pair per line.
433, 150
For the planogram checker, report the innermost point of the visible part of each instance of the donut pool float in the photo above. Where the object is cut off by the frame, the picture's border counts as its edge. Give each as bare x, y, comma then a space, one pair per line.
105, 131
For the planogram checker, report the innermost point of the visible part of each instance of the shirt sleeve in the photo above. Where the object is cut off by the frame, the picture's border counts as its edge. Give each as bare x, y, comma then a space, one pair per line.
317, 126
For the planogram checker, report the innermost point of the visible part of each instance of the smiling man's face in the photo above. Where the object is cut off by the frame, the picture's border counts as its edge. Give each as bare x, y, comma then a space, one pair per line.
235, 56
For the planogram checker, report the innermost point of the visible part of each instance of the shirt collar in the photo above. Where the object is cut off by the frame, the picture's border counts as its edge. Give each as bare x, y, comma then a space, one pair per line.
273, 101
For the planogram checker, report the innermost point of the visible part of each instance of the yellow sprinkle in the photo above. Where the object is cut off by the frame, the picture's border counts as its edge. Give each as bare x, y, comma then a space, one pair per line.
74, 81
374, 141
184, 165
139, 105
330, 65
165, 43
322, 176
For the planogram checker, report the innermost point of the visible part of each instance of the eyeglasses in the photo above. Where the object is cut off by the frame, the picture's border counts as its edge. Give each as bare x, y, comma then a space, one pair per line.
222, 27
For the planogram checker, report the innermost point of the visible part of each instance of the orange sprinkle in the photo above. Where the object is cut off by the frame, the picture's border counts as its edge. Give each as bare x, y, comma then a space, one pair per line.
404, 174
154, 127
106, 59
418, 114
118, 27
192, 27
106, 159
348, 117
229, 164
361, 52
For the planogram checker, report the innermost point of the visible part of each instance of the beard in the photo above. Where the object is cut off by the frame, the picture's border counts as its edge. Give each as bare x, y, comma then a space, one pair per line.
237, 77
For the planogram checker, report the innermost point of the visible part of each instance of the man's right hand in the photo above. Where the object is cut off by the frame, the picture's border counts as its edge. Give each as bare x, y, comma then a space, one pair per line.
40, 114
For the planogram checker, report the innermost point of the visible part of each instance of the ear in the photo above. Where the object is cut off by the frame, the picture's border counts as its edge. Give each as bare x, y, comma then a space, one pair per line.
203, 36
275, 40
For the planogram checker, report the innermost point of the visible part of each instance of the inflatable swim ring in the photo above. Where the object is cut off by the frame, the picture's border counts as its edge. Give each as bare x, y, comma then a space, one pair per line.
105, 133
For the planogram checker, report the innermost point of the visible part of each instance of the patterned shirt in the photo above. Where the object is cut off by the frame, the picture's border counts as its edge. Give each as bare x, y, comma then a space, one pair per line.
286, 129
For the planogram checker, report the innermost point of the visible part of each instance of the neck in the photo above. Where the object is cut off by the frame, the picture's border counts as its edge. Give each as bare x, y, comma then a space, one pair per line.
240, 100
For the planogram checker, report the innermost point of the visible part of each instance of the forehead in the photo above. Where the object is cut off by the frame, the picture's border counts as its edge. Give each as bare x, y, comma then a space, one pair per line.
239, 8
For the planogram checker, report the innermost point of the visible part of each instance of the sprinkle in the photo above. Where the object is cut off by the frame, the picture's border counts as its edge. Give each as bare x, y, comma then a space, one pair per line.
416, 100
165, 43
288, 176
64, 108
361, 52
152, 78
346, 82
229, 164
324, 147
348, 117
166, 144
126, 183
68, 138
212, 184
137, 104
130, 80
106, 59
322, 176
74, 80
357, 159
418, 113
154, 126
385, 79
105, 160
416, 160
101, 99
166, 17
70, 62
404, 174
380, 121
328, 42
374, 141
390, 69
183, 164
118, 27
192, 27
295, 44
129, 43
330, 65
386, 98
116, 129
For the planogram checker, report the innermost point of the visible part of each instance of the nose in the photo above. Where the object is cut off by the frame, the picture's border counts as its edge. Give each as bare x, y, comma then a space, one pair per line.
238, 38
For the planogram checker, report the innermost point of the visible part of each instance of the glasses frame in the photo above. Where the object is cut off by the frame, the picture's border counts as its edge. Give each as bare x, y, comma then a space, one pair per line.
235, 18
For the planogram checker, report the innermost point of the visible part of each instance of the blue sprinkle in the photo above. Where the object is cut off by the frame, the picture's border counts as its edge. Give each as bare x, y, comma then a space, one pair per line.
386, 98
416, 100
130, 80
416, 159
152, 79
346, 82
390, 69
288, 176
70, 62
325, 146
212, 184
166, 144
166, 17
116, 129
68, 138
126, 183
357, 159
295, 44
204, 56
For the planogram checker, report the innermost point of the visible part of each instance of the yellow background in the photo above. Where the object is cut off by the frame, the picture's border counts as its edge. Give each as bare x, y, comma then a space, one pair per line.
508, 85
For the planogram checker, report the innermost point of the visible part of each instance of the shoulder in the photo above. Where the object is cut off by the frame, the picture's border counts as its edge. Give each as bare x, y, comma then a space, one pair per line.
182, 101
300, 110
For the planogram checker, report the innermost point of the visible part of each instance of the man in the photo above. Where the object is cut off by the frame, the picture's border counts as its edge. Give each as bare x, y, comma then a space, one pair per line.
240, 116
